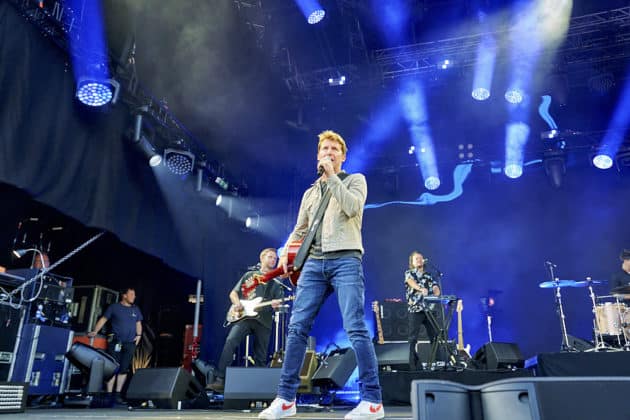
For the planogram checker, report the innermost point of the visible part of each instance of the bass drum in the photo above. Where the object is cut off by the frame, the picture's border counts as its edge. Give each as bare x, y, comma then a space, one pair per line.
626, 324
609, 318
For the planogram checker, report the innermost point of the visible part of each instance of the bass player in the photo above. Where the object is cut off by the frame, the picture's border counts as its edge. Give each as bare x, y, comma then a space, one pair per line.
247, 288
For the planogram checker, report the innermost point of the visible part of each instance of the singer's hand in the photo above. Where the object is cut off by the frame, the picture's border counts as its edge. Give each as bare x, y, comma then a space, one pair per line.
436, 291
325, 166
275, 303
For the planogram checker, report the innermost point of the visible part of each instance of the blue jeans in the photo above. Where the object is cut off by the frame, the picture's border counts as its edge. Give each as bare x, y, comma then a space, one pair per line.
318, 280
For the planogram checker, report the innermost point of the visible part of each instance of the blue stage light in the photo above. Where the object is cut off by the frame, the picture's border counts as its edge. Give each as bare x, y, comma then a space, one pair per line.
179, 162
316, 16
94, 92
484, 68
602, 161
513, 170
480, 94
516, 135
312, 10
514, 96
432, 183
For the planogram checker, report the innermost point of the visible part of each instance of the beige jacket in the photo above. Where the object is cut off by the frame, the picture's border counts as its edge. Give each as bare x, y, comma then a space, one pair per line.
341, 227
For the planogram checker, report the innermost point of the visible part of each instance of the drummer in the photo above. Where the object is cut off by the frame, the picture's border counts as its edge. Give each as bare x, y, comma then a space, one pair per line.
621, 278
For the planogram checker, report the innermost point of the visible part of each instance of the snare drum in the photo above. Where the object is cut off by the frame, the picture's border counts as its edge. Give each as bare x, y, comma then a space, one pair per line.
609, 316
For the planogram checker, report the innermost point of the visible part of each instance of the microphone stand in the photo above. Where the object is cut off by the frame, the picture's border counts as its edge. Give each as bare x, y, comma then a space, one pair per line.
438, 275
560, 308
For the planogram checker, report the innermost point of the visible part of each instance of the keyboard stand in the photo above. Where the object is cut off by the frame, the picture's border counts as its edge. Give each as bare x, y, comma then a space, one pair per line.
441, 328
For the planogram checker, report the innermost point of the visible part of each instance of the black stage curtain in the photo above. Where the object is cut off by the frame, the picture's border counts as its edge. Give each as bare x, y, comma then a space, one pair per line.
73, 159
79, 162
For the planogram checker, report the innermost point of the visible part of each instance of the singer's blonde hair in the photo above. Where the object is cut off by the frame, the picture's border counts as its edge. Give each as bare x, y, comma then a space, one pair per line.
331, 135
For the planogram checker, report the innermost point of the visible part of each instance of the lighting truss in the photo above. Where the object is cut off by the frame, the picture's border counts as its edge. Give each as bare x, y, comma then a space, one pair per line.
59, 23
607, 31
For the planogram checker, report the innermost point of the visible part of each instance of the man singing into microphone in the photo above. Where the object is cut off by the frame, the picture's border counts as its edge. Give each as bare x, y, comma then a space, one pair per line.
260, 327
333, 264
418, 284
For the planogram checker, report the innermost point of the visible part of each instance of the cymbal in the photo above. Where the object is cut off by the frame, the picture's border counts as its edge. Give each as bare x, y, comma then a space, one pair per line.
621, 290
585, 283
556, 283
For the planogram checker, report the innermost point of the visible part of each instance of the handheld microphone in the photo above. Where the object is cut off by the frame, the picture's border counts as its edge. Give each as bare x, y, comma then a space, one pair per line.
320, 168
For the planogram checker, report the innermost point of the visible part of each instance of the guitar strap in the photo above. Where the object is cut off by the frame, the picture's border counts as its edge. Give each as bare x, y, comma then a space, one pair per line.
302, 254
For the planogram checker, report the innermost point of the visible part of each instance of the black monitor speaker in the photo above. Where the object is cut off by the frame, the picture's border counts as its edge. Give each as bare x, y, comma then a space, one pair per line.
167, 388
495, 355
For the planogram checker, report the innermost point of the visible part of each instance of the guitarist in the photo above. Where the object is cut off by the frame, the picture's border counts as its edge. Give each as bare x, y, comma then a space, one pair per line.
249, 288
418, 284
333, 265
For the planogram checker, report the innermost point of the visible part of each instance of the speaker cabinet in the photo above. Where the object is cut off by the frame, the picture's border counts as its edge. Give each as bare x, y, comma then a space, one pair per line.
575, 398
166, 387
247, 388
495, 355
395, 321
436, 399
335, 369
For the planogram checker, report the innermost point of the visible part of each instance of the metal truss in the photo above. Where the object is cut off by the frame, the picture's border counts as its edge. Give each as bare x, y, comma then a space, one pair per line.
251, 11
593, 38
60, 23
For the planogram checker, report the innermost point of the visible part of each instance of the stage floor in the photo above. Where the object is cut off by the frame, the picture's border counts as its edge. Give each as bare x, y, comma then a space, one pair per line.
310, 413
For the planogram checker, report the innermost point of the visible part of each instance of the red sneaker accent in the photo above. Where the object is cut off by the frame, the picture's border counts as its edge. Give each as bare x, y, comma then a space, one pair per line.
287, 406
373, 409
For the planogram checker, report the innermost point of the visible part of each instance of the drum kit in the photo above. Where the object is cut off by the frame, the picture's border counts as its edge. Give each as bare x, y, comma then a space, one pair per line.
611, 316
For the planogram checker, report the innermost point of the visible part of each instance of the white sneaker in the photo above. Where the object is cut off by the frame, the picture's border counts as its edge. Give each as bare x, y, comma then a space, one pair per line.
278, 409
366, 410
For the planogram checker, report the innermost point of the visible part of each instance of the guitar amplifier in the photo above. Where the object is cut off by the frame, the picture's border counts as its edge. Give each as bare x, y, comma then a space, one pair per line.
393, 317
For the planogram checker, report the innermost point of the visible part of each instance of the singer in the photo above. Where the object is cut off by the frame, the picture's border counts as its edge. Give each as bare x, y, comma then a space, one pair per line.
333, 264
418, 284
260, 326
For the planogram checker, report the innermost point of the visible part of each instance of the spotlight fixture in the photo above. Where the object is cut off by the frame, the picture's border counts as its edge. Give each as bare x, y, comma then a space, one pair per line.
179, 162
602, 161
149, 151
551, 134
432, 183
514, 96
555, 167
97, 92
316, 16
252, 222
513, 171
480, 94
337, 81
445, 64
312, 10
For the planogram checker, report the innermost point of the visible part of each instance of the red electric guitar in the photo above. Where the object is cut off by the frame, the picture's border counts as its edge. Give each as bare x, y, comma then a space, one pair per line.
264, 278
